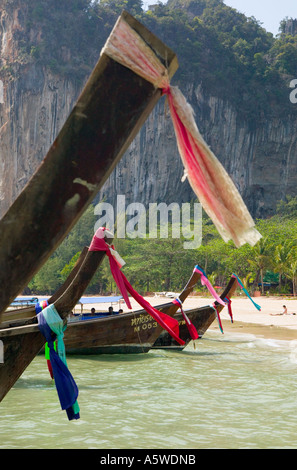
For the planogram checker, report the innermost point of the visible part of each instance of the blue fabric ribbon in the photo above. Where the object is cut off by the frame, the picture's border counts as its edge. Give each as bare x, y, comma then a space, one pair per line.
65, 384
39, 307
258, 307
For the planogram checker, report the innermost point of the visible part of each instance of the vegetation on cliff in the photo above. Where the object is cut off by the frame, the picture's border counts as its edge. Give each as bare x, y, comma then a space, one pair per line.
163, 264
230, 55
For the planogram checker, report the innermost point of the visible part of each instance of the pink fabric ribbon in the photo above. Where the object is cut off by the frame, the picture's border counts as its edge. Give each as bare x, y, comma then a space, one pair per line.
207, 177
188, 147
206, 282
168, 323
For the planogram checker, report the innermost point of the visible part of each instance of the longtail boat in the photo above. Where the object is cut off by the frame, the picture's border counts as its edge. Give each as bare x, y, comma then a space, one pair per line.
110, 111
125, 333
130, 332
22, 343
201, 318
133, 71
137, 332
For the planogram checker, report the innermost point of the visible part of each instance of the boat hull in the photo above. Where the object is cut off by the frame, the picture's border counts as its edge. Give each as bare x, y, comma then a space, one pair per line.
201, 318
129, 333
138, 332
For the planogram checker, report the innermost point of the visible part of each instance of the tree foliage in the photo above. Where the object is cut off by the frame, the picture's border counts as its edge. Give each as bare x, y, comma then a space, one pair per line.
229, 54
163, 264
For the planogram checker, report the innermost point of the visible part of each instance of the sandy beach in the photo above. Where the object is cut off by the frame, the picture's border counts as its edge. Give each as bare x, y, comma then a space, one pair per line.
247, 319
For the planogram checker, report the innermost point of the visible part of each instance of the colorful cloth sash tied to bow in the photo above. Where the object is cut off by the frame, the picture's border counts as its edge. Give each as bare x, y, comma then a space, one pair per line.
228, 301
213, 306
50, 321
39, 306
192, 330
206, 282
115, 262
48, 359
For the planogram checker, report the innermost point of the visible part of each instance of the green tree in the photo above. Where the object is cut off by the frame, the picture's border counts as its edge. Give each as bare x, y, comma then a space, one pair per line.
287, 208
48, 279
281, 257
291, 273
261, 259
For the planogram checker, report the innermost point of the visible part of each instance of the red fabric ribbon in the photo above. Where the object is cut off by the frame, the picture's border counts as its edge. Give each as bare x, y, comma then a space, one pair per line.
50, 369
230, 308
192, 330
168, 323
186, 144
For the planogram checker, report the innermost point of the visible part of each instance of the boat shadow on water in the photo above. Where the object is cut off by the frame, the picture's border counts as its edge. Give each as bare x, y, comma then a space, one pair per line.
138, 357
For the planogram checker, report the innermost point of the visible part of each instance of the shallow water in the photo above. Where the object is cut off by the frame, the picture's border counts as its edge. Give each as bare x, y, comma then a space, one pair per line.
232, 391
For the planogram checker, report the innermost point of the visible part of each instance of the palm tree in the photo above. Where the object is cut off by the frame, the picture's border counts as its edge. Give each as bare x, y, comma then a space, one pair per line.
291, 273
247, 279
261, 258
281, 257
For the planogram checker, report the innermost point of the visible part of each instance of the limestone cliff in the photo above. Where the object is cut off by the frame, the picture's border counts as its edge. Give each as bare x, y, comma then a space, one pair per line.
262, 160
34, 105
34, 102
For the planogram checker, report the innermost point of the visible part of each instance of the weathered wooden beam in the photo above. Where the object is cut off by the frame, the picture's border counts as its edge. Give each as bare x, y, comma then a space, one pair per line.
107, 116
10, 317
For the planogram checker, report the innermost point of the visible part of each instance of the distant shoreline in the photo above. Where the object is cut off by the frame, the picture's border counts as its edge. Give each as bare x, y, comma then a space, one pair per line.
247, 319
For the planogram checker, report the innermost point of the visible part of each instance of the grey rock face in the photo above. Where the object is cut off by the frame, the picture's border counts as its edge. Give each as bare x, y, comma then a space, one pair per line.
34, 104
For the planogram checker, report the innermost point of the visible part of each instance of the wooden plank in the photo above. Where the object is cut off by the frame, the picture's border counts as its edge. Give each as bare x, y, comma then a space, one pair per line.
110, 111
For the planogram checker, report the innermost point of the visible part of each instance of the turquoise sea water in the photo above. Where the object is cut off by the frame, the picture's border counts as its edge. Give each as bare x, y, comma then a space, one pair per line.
233, 391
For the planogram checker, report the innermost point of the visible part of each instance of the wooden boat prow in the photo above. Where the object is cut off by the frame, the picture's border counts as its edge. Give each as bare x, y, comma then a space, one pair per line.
201, 318
110, 111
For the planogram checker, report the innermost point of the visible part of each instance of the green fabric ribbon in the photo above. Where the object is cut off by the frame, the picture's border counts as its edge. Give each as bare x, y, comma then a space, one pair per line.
55, 323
